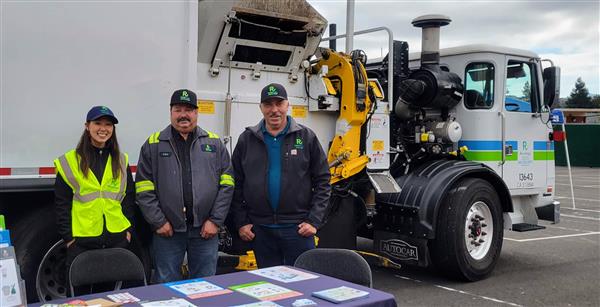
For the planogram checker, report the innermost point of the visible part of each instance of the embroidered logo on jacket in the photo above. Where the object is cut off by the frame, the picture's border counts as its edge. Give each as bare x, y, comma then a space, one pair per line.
299, 144
208, 148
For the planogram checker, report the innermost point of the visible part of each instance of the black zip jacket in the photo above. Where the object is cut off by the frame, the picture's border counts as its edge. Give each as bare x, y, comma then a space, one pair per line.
305, 187
63, 196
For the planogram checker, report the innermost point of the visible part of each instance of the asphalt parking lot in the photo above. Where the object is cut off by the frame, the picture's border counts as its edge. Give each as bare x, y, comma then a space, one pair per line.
557, 266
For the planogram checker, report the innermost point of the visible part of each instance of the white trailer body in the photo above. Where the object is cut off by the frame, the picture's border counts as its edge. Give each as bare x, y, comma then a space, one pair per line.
61, 58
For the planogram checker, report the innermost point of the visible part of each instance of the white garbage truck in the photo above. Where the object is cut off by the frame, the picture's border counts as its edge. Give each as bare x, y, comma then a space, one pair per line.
432, 155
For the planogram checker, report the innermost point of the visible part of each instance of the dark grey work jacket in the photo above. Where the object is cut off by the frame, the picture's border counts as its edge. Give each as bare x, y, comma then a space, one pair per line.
305, 187
159, 187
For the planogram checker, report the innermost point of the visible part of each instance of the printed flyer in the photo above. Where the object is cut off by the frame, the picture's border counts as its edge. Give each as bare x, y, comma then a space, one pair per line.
283, 274
176, 302
260, 304
265, 291
10, 281
197, 288
341, 294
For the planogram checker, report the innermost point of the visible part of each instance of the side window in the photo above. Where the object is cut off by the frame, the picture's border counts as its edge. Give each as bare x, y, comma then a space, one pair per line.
521, 95
479, 85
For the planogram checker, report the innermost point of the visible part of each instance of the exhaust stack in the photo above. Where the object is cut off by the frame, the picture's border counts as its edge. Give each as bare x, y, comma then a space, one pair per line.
430, 37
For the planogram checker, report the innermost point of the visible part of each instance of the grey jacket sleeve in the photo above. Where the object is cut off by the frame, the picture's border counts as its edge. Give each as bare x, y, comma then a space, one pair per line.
220, 208
320, 178
145, 187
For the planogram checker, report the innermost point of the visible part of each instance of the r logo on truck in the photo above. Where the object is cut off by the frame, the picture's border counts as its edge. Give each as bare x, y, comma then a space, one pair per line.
399, 249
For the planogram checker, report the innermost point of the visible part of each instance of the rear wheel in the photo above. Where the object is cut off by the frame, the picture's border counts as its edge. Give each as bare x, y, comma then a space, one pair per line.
36, 239
469, 231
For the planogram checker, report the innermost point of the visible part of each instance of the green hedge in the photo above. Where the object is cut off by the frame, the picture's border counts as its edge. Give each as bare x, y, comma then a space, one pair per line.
584, 145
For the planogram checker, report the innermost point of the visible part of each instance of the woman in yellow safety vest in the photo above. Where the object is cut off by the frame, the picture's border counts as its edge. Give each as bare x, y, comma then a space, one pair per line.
94, 189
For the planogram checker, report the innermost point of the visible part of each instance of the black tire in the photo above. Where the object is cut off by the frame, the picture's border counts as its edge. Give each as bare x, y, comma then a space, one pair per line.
41, 255
463, 248
33, 236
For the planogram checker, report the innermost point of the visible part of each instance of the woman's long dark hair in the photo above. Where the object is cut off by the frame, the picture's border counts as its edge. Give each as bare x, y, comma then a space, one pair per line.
85, 150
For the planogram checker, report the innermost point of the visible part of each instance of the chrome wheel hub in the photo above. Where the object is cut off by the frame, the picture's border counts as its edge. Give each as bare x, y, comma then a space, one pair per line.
479, 229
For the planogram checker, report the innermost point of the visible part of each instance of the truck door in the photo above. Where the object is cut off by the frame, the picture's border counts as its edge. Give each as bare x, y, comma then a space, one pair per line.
525, 135
479, 113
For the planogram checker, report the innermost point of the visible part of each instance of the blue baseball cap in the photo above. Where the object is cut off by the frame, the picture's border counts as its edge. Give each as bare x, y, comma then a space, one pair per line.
101, 111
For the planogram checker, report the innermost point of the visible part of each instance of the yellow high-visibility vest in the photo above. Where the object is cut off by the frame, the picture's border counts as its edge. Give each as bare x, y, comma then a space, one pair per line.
93, 201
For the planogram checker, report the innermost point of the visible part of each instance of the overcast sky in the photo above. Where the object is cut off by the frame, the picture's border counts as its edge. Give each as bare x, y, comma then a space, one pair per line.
565, 31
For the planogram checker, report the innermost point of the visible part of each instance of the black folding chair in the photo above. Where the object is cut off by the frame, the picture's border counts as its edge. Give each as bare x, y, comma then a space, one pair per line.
338, 263
106, 265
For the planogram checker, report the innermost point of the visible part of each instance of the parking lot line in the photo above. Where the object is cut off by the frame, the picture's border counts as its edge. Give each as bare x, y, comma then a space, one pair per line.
580, 217
565, 228
584, 199
580, 209
579, 186
460, 291
579, 177
553, 237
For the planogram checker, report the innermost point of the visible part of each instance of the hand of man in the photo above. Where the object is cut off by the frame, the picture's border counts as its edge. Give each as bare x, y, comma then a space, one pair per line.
70, 243
165, 230
306, 229
246, 233
128, 236
209, 229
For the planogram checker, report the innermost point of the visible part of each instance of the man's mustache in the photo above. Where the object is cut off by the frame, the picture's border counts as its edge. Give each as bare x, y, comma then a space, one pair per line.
183, 119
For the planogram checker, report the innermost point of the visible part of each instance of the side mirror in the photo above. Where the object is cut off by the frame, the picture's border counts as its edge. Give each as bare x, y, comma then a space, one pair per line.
551, 85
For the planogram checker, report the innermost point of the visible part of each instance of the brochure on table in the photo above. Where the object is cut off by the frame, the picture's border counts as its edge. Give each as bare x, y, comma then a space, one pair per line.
265, 291
176, 302
340, 294
283, 274
123, 298
260, 304
11, 286
197, 288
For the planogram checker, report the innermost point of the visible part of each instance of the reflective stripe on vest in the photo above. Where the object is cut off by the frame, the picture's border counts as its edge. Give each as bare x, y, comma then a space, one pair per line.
93, 201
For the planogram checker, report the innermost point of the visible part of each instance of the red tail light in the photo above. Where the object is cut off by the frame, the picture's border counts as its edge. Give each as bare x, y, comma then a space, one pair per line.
559, 136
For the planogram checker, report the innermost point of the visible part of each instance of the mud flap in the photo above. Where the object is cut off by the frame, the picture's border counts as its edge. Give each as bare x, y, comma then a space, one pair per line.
402, 249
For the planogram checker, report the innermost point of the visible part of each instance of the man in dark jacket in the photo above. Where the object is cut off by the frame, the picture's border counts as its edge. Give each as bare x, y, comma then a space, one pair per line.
281, 183
184, 186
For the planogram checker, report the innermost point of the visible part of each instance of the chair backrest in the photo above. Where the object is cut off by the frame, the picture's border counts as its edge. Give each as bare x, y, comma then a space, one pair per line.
338, 263
105, 265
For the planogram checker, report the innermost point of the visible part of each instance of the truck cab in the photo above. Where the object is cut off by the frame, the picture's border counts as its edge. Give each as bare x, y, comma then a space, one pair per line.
505, 124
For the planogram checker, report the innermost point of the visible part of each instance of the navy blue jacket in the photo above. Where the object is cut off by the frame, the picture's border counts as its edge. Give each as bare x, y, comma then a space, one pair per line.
305, 176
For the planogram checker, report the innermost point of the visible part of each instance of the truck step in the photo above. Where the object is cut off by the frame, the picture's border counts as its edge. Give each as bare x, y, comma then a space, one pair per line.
521, 227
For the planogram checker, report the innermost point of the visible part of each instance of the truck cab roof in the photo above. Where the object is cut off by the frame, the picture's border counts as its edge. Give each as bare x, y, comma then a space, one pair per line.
478, 48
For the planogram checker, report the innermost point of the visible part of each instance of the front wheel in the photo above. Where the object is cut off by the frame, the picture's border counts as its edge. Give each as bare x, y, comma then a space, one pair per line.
469, 231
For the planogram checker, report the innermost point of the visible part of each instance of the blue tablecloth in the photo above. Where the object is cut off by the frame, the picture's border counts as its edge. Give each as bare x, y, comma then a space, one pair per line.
306, 287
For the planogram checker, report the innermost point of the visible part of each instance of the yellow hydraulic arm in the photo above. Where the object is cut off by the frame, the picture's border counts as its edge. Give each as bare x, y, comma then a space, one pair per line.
349, 78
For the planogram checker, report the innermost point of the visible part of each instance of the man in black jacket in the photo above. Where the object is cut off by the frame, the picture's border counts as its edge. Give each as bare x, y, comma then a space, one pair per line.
281, 183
